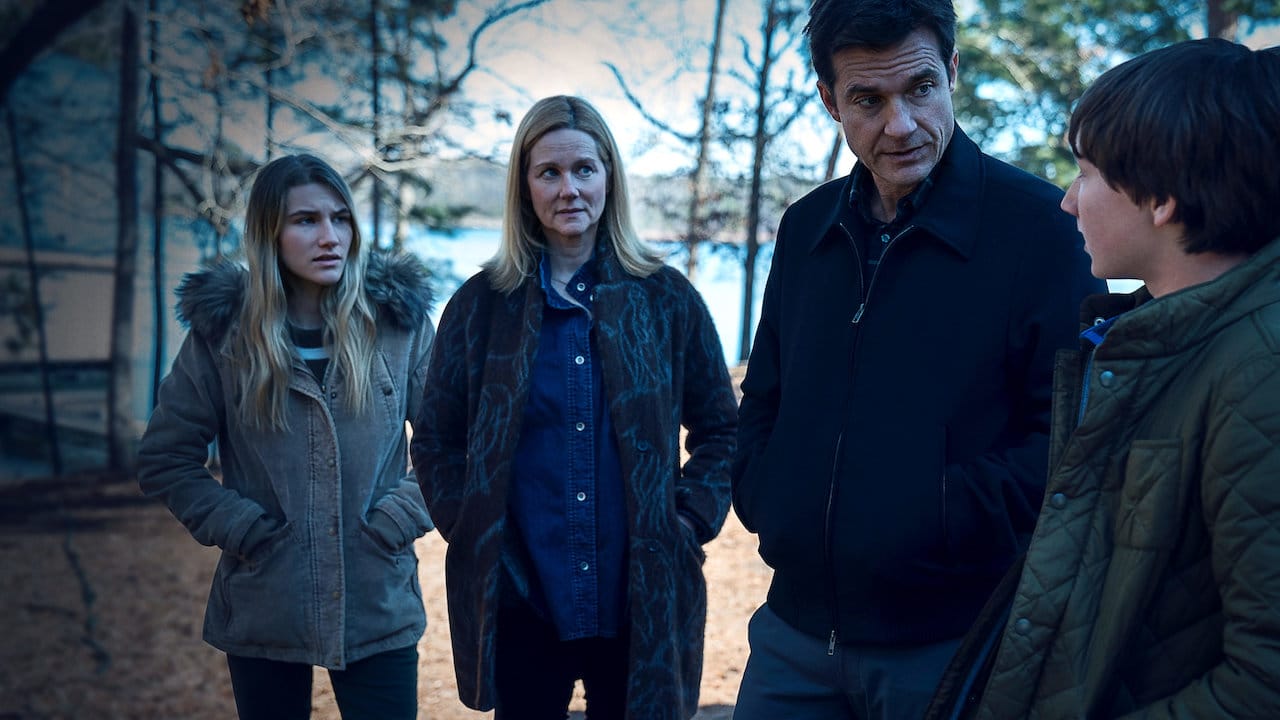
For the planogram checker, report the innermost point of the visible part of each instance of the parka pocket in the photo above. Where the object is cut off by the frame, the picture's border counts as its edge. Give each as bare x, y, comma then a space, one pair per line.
268, 595
387, 580
384, 532
1149, 515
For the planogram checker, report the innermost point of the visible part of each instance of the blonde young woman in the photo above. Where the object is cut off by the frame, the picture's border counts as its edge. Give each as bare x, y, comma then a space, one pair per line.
303, 367
548, 446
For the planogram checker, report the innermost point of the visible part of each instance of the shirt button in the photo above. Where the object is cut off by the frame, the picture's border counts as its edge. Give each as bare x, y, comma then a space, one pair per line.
581, 287
579, 360
582, 496
1107, 378
333, 395
1058, 500
1022, 627
336, 595
580, 427
584, 567
884, 238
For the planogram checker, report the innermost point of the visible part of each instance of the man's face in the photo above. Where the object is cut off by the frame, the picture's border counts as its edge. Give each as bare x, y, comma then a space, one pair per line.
895, 107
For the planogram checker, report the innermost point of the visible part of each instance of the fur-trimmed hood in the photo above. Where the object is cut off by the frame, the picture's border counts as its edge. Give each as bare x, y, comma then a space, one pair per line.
397, 284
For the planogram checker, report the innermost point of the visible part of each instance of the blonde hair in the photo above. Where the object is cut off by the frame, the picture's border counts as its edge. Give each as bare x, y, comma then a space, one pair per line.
261, 348
522, 240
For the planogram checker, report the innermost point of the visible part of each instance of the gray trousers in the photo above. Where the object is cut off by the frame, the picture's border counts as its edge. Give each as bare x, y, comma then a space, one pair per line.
791, 675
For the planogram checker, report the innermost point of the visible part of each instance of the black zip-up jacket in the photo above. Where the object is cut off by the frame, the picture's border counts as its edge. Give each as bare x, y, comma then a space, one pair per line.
893, 430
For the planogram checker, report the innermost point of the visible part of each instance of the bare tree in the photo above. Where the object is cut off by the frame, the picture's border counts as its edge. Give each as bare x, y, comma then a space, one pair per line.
158, 310
696, 233
833, 156
701, 219
120, 439
777, 105
33, 288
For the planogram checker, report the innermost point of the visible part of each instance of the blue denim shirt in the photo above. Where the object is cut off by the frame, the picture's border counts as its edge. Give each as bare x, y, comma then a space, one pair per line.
567, 499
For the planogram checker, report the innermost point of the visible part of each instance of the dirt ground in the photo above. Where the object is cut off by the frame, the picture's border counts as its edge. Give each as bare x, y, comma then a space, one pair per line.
102, 598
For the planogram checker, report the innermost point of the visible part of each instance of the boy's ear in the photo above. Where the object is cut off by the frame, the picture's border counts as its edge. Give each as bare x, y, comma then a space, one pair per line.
1163, 211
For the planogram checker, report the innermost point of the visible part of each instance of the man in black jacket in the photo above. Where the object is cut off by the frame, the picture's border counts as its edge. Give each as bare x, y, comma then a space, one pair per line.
895, 413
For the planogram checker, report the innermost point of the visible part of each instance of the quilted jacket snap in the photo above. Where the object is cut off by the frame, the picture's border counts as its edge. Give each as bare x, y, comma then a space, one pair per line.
1152, 584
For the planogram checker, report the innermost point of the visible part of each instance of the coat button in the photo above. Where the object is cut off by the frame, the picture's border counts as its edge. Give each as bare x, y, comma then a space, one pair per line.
1058, 500
1107, 378
1022, 626
584, 567
580, 427
581, 287
579, 360
582, 497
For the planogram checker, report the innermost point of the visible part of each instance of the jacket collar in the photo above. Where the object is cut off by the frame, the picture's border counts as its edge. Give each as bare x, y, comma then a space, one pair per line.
209, 300
1169, 324
947, 215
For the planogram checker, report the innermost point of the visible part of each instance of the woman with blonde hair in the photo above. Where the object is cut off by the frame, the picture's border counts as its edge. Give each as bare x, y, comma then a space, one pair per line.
548, 446
303, 367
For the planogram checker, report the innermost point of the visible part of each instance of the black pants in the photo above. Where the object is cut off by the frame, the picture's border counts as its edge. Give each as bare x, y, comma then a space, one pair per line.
536, 670
379, 687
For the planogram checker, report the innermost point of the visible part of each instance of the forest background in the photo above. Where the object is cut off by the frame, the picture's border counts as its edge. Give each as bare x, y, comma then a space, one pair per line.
130, 133
131, 130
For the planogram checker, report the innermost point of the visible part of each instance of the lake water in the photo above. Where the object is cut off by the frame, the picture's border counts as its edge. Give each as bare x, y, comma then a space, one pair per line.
719, 278
76, 297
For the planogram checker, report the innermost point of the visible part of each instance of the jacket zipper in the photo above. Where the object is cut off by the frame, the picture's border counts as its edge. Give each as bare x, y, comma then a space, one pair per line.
1084, 387
857, 316
864, 290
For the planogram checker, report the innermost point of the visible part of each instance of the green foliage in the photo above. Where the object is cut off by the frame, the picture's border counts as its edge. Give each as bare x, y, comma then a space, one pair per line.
1023, 63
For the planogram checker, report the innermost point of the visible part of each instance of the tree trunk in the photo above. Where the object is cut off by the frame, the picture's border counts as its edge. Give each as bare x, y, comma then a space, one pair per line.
37, 307
269, 78
120, 440
761, 141
159, 309
695, 234
833, 157
375, 46
400, 216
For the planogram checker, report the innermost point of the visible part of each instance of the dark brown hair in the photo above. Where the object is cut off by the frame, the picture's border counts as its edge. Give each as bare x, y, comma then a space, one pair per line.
838, 24
1196, 122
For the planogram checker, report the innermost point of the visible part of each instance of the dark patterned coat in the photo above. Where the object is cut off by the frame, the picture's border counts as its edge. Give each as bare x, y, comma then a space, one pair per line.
663, 366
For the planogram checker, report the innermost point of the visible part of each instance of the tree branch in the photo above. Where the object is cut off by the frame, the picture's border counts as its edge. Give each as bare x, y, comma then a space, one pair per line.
687, 138
40, 30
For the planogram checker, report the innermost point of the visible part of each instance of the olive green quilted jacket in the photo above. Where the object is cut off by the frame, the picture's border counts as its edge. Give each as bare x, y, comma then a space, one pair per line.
1151, 588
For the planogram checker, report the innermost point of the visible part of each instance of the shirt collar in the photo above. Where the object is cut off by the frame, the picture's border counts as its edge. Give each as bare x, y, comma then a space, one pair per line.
585, 275
861, 194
